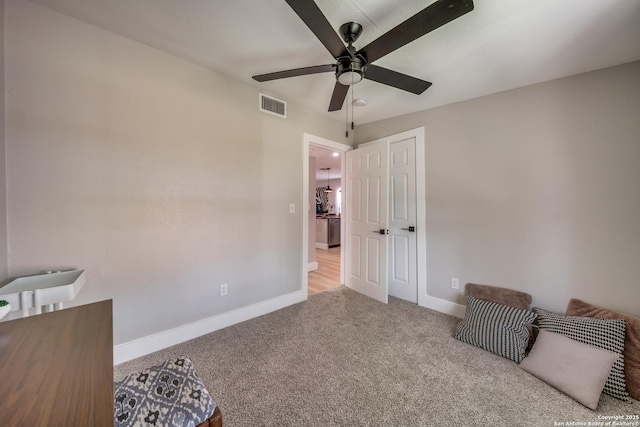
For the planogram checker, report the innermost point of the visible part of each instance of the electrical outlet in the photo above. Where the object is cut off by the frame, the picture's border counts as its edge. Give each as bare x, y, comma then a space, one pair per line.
455, 284
224, 289
292, 208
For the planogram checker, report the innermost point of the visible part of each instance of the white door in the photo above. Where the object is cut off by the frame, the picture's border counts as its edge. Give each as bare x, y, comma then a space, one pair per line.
402, 220
367, 178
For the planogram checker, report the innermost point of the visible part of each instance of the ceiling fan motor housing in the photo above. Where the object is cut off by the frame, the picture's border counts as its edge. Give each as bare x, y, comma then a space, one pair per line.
350, 68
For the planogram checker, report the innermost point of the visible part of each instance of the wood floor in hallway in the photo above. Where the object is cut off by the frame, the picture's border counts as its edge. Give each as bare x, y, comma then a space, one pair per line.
327, 276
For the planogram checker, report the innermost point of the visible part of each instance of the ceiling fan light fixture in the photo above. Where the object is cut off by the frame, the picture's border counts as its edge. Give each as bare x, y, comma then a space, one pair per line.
350, 71
350, 77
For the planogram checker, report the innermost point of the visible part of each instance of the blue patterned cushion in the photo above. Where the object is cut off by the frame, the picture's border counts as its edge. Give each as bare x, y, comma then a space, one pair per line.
170, 394
497, 328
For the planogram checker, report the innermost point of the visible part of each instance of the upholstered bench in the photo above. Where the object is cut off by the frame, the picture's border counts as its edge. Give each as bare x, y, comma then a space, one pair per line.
169, 394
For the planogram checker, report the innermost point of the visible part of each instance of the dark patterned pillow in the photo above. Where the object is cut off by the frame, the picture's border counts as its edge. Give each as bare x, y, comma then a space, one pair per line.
603, 333
170, 394
498, 328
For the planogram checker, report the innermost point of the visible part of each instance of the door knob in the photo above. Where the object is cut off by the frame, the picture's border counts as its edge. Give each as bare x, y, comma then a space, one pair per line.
411, 229
381, 231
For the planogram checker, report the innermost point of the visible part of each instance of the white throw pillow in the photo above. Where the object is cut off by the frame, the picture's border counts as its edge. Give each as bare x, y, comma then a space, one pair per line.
607, 334
579, 370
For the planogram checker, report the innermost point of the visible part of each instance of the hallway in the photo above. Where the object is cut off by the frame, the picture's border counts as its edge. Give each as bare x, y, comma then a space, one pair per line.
327, 276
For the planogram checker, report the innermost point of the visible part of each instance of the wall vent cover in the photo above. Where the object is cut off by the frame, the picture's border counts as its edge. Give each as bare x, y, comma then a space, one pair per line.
271, 105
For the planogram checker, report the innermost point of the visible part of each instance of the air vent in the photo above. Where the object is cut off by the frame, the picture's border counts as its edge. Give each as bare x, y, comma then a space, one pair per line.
271, 105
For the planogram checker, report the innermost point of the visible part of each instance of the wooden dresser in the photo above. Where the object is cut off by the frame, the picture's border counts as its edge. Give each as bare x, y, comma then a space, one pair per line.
56, 369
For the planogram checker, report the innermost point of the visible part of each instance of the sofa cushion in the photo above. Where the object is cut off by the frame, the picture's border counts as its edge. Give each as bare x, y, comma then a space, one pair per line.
631, 341
606, 334
498, 328
578, 370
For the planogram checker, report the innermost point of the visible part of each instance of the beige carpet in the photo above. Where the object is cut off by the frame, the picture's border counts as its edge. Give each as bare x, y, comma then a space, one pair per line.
342, 359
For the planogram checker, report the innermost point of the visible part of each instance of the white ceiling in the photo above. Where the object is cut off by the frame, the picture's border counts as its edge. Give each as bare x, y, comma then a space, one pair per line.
502, 44
325, 159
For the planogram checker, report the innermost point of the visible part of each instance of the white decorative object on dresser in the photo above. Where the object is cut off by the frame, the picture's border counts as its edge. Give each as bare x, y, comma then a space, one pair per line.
48, 290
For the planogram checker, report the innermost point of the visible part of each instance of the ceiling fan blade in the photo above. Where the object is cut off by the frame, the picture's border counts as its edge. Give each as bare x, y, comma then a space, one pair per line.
337, 99
295, 72
311, 15
395, 79
430, 18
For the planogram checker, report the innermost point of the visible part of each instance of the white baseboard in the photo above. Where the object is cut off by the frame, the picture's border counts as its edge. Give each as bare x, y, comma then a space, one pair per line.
443, 306
313, 266
133, 349
322, 245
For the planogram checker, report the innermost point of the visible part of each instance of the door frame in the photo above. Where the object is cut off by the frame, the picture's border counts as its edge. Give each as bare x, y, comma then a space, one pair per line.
307, 140
421, 206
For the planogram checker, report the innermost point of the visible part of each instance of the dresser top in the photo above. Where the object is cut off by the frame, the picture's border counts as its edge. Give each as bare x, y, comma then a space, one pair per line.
57, 368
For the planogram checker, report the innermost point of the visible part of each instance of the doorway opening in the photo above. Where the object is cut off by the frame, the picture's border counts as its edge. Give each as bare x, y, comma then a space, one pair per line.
328, 206
376, 276
323, 227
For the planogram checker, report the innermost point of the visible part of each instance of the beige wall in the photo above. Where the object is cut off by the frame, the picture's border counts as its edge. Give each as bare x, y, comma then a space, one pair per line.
157, 176
4, 271
536, 189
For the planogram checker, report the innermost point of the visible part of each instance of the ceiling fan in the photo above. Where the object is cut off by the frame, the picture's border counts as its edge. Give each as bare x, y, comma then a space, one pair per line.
354, 65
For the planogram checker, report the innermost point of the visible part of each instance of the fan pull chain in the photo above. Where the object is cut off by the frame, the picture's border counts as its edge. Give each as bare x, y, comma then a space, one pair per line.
346, 122
346, 112
351, 103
